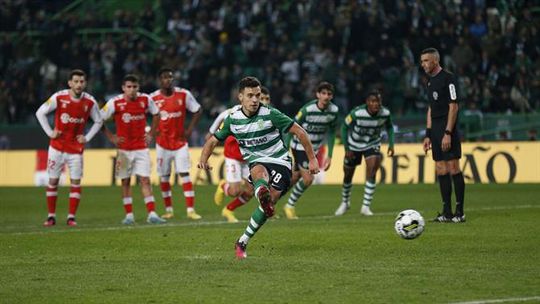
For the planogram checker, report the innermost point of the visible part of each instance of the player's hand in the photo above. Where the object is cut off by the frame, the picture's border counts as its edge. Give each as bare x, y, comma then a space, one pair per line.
390, 152
56, 133
148, 137
116, 140
427, 144
81, 139
188, 134
204, 165
313, 166
327, 163
446, 143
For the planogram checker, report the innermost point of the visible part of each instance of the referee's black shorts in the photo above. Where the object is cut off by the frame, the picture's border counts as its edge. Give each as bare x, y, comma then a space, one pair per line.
438, 126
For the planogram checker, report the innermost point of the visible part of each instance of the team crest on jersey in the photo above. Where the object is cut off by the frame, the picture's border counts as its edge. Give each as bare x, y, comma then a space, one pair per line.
435, 95
260, 123
142, 104
180, 102
86, 108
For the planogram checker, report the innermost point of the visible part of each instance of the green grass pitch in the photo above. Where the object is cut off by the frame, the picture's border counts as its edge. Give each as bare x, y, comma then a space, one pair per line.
316, 259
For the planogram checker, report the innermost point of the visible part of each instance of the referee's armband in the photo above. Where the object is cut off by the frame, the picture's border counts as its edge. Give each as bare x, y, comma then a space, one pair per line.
428, 133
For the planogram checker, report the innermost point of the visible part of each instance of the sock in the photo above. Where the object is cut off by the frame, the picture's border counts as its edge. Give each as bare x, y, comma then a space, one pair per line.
259, 184
74, 199
459, 191
237, 202
346, 193
445, 185
128, 206
189, 194
297, 191
149, 202
225, 188
166, 192
255, 223
369, 191
52, 196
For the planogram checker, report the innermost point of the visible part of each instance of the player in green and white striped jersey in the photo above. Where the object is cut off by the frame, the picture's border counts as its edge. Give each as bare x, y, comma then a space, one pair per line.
319, 118
361, 136
258, 129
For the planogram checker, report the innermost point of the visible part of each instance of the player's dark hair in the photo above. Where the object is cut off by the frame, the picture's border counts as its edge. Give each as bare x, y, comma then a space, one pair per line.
325, 86
265, 91
130, 77
376, 94
165, 70
432, 51
77, 72
248, 82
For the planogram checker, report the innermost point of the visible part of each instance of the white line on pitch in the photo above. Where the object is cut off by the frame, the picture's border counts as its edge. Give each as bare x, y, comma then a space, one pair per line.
523, 299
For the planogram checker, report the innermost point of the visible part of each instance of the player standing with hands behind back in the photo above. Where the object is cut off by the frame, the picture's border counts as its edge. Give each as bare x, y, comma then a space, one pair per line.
442, 135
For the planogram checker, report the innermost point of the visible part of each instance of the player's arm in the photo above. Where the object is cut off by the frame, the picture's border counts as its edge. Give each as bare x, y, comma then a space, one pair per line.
154, 111
98, 122
390, 131
331, 141
427, 138
345, 131
107, 112
452, 116
303, 137
211, 143
41, 115
299, 118
195, 108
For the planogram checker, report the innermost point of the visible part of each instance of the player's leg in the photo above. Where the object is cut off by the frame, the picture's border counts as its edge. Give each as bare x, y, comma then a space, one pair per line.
127, 201
163, 168
75, 165
373, 163
459, 189
149, 201
350, 162
55, 163
443, 176
244, 194
123, 171
304, 180
230, 185
182, 163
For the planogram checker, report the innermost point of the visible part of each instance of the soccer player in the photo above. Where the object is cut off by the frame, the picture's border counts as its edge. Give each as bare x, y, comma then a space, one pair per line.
172, 140
361, 136
72, 109
442, 135
258, 129
319, 118
236, 168
133, 157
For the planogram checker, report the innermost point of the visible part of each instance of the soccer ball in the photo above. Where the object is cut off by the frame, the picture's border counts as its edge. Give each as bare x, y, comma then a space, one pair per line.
409, 224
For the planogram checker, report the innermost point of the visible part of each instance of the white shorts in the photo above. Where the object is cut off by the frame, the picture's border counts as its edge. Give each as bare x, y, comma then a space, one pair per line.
135, 162
57, 159
180, 157
235, 170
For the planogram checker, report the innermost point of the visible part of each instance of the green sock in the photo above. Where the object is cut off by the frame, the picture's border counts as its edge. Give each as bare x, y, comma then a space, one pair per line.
258, 218
297, 191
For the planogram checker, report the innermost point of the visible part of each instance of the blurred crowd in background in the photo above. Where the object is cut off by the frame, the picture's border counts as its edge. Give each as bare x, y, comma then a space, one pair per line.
492, 46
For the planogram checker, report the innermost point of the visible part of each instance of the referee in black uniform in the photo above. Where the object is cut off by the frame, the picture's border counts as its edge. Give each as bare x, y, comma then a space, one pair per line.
442, 135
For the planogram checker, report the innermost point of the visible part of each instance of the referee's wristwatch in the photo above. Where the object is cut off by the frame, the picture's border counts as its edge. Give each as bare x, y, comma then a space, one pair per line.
447, 132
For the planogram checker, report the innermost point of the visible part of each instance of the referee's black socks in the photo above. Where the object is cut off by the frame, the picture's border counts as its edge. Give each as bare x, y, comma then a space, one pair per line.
445, 185
459, 189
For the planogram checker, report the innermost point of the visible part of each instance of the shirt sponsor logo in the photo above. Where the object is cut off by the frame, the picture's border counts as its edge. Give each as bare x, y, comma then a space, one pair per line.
253, 142
65, 118
127, 118
164, 115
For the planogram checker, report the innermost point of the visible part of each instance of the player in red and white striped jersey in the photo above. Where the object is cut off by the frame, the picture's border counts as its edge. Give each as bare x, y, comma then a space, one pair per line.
172, 140
133, 157
72, 109
236, 169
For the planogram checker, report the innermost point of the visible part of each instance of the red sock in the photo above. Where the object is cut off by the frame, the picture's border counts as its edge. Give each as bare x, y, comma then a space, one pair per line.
74, 199
166, 193
150, 205
128, 206
52, 196
237, 202
189, 194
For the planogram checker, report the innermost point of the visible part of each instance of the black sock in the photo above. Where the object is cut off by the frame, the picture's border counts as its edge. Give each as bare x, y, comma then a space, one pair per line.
445, 185
459, 189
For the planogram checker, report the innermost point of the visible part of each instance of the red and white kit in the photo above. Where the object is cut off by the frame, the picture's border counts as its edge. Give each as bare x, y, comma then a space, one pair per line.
70, 118
236, 168
171, 142
130, 120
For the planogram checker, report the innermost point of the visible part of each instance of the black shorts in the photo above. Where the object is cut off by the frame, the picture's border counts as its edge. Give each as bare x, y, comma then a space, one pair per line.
300, 160
438, 126
356, 159
280, 176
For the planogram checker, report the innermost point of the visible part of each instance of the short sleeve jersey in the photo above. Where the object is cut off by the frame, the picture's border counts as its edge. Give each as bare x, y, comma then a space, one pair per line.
259, 136
317, 122
70, 118
441, 90
172, 113
130, 119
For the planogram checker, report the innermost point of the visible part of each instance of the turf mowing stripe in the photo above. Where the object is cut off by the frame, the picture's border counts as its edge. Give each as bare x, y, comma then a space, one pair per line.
524, 299
209, 223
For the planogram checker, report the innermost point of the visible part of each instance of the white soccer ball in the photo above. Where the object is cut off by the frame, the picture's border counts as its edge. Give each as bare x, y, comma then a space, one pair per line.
409, 224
